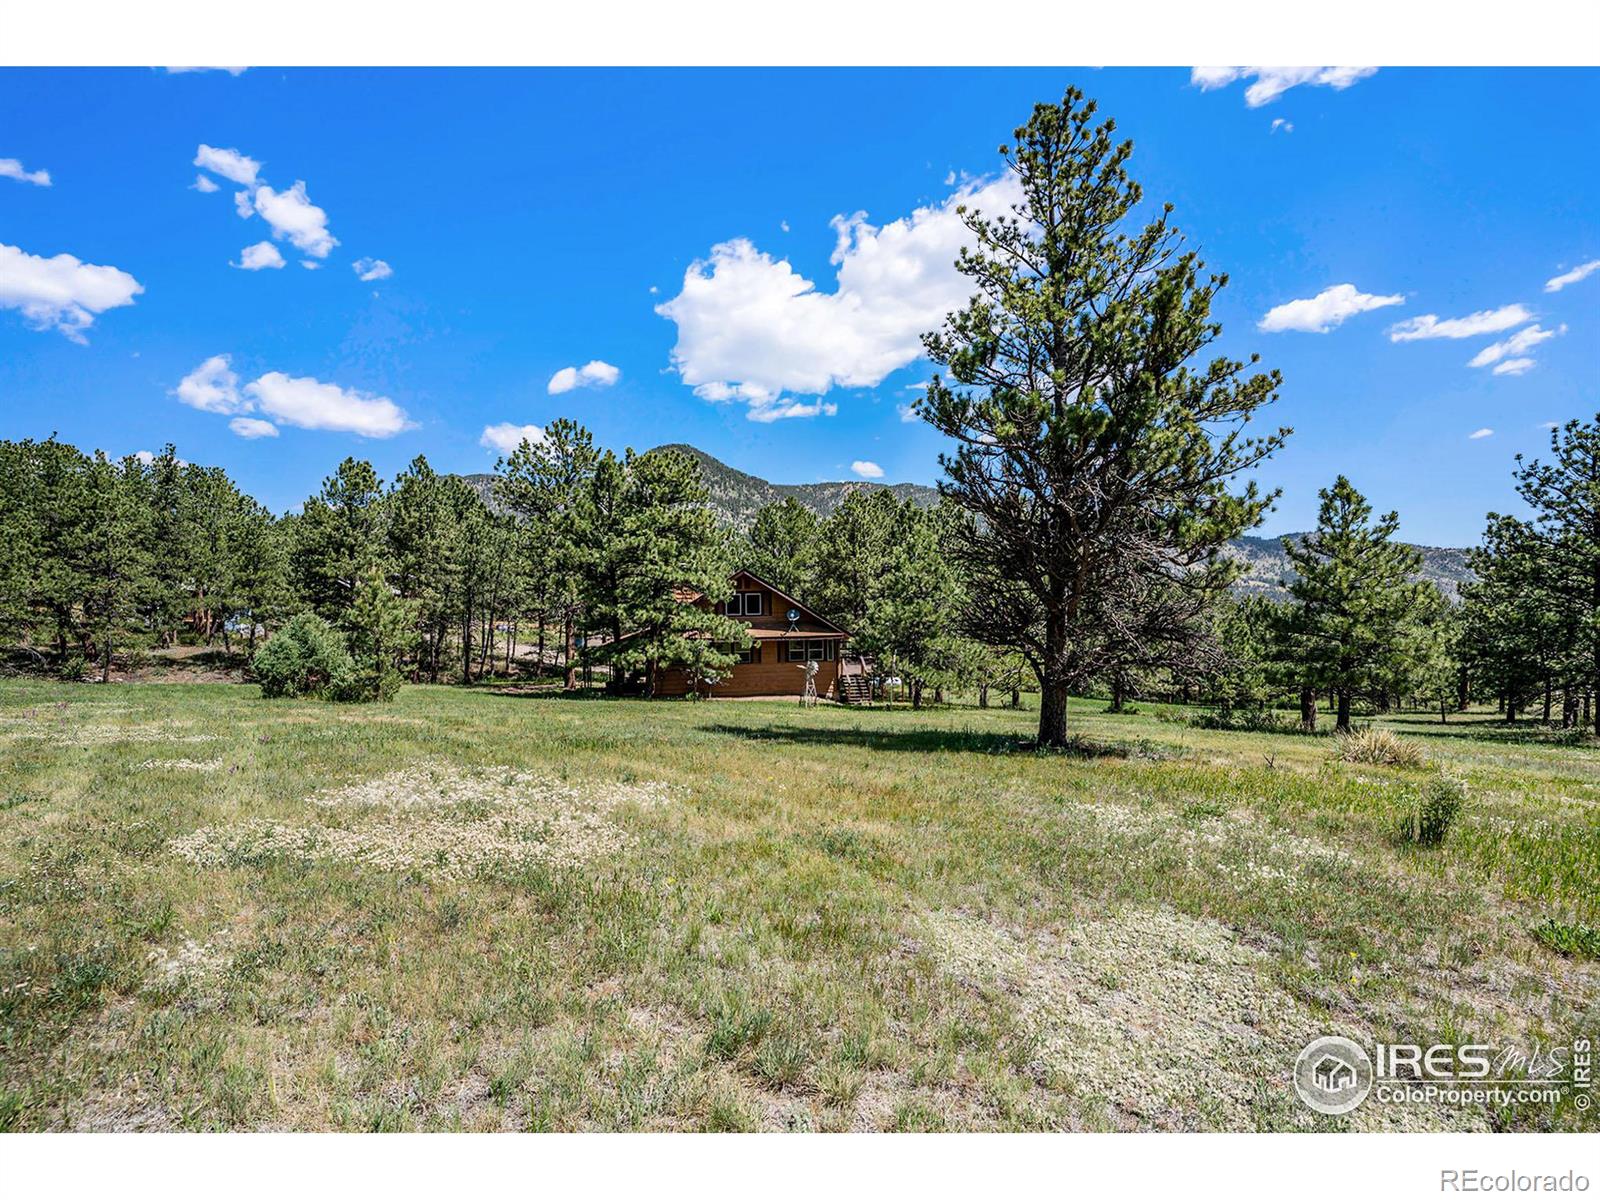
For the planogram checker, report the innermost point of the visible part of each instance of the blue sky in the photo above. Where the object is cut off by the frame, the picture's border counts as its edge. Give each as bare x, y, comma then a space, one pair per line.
535, 221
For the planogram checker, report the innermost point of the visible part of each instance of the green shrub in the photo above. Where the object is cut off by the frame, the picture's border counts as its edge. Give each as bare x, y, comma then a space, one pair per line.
73, 666
305, 658
1569, 938
1377, 747
1245, 720
1433, 811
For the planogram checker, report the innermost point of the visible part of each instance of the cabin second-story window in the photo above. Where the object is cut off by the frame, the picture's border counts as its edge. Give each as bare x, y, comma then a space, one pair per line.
746, 604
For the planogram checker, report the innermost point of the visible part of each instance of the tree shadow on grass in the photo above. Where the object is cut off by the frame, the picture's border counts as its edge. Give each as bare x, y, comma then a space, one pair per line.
928, 741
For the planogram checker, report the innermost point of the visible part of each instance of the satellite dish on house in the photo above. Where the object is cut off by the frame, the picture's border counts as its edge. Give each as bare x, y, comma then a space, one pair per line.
794, 614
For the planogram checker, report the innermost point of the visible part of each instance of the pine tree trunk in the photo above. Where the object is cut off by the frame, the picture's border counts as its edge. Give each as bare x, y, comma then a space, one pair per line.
1548, 694
1116, 695
983, 695
566, 655
1308, 710
1016, 697
1343, 723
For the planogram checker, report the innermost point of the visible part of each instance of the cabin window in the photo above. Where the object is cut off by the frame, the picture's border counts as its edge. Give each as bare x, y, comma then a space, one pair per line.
749, 654
812, 649
745, 604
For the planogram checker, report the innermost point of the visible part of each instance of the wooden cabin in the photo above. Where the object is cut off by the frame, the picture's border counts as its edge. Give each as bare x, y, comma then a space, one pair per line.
784, 636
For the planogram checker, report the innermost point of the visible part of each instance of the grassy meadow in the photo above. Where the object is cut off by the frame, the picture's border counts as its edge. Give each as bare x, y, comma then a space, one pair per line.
486, 910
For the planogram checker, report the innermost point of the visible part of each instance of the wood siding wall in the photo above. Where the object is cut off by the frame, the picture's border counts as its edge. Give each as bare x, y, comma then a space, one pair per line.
766, 678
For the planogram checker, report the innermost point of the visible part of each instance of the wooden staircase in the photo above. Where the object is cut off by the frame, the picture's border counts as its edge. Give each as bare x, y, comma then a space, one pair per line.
854, 689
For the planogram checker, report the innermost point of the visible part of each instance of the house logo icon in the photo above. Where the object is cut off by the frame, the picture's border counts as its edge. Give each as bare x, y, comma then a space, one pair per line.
1332, 1075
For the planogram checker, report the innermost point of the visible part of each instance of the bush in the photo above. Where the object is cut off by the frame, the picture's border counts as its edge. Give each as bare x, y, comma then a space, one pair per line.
1433, 812
1377, 747
305, 658
1245, 720
73, 666
1569, 938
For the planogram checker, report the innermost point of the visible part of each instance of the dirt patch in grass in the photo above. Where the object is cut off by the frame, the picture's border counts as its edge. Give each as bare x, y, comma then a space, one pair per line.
440, 820
1156, 1019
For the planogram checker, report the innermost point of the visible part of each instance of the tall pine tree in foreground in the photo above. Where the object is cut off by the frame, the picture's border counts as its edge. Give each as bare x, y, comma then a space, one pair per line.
1352, 621
1564, 494
1094, 459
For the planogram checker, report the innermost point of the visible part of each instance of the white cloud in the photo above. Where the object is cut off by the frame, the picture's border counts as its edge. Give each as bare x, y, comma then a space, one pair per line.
306, 403
1576, 275
204, 183
235, 71
1329, 307
1515, 366
10, 168
230, 164
1279, 123
1490, 320
506, 437
212, 387
311, 404
244, 204
309, 265
261, 256
1272, 82
867, 470
61, 292
1517, 343
908, 413
292, 215
370, 269
591, 374
1481, 433
783, 410
750, 327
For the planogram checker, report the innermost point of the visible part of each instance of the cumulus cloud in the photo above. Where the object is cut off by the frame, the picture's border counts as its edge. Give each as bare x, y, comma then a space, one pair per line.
1272, 82
1490, 320
292, 215
10, 168
311, 404
1515, 366
212, 387
1328, 308
368, 270
1519, 342
909, 414
1480, 433
244, 204
591, 374
260, 257
204, 184
1279, 123
305, 403
230, 164
1576, 275
751, 327
867, 470
63, 292
506, 437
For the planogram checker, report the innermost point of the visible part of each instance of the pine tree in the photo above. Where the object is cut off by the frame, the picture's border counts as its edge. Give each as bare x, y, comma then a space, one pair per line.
1353, 599
782, 547
117, 563
1090, 455
378, 629
338, 539
1564, 494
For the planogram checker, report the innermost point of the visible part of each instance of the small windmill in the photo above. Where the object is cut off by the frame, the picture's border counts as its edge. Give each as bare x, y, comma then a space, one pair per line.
808, 698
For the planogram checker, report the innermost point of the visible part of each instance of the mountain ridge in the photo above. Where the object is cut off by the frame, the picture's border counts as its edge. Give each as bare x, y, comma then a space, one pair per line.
736, 497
